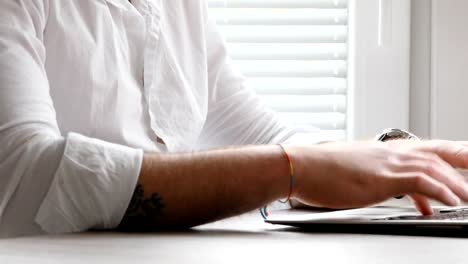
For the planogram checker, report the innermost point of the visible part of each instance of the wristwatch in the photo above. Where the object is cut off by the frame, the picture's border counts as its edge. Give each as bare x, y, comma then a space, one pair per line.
395, 134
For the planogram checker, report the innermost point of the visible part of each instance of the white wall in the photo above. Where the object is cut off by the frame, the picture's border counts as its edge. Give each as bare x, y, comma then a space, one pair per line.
438, 90
449, 111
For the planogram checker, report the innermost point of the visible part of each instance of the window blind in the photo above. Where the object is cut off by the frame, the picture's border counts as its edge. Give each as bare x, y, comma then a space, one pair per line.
294, 54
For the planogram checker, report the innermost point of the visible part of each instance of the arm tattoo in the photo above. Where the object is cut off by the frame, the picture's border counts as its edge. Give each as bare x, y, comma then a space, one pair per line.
142, 211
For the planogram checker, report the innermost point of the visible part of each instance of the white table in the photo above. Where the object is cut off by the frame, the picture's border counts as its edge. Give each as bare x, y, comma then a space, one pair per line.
244, 239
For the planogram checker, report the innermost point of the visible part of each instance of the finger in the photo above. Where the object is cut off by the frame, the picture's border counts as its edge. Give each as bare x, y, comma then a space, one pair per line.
453, 179
440, 170
422, 204
419, 183
454, 153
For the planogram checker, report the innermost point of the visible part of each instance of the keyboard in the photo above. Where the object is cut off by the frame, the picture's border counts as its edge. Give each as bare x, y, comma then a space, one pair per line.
448, 214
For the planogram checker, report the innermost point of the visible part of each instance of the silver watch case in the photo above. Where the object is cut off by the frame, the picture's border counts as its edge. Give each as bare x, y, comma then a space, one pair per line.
395, 134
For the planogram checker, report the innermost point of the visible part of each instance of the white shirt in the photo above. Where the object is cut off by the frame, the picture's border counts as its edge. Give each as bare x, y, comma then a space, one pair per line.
87, 85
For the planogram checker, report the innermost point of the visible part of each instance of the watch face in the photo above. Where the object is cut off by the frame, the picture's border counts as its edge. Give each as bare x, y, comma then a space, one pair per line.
395, 137
395, 134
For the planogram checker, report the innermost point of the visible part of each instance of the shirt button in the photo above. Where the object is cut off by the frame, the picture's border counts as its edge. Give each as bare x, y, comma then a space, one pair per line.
159, 140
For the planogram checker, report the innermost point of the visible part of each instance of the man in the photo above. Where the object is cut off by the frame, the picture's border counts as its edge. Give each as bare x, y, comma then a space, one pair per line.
105, 100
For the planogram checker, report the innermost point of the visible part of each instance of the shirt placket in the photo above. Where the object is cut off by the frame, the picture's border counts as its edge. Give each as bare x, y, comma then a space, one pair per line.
152, 15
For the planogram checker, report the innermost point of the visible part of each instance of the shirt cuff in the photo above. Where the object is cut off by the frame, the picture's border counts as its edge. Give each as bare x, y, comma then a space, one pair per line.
92, 186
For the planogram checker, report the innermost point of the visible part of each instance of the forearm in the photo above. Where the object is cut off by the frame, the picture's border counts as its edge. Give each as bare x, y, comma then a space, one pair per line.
196, 188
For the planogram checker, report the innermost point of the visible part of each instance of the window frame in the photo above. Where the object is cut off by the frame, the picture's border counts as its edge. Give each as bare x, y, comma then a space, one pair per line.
379, 66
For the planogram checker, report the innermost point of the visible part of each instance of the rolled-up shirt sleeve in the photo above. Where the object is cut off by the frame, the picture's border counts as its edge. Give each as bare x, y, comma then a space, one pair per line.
236, 115
92, 186
49, 181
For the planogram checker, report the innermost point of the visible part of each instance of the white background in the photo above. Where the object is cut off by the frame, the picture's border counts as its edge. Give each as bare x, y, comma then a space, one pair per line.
439, 69
379, 64
449, 69
435, 102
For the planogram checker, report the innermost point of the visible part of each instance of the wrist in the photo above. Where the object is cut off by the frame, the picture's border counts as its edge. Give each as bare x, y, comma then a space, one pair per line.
293, 158
308, 163
278, 171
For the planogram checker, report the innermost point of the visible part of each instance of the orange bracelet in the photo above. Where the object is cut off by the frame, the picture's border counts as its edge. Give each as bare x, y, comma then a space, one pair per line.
264, 211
